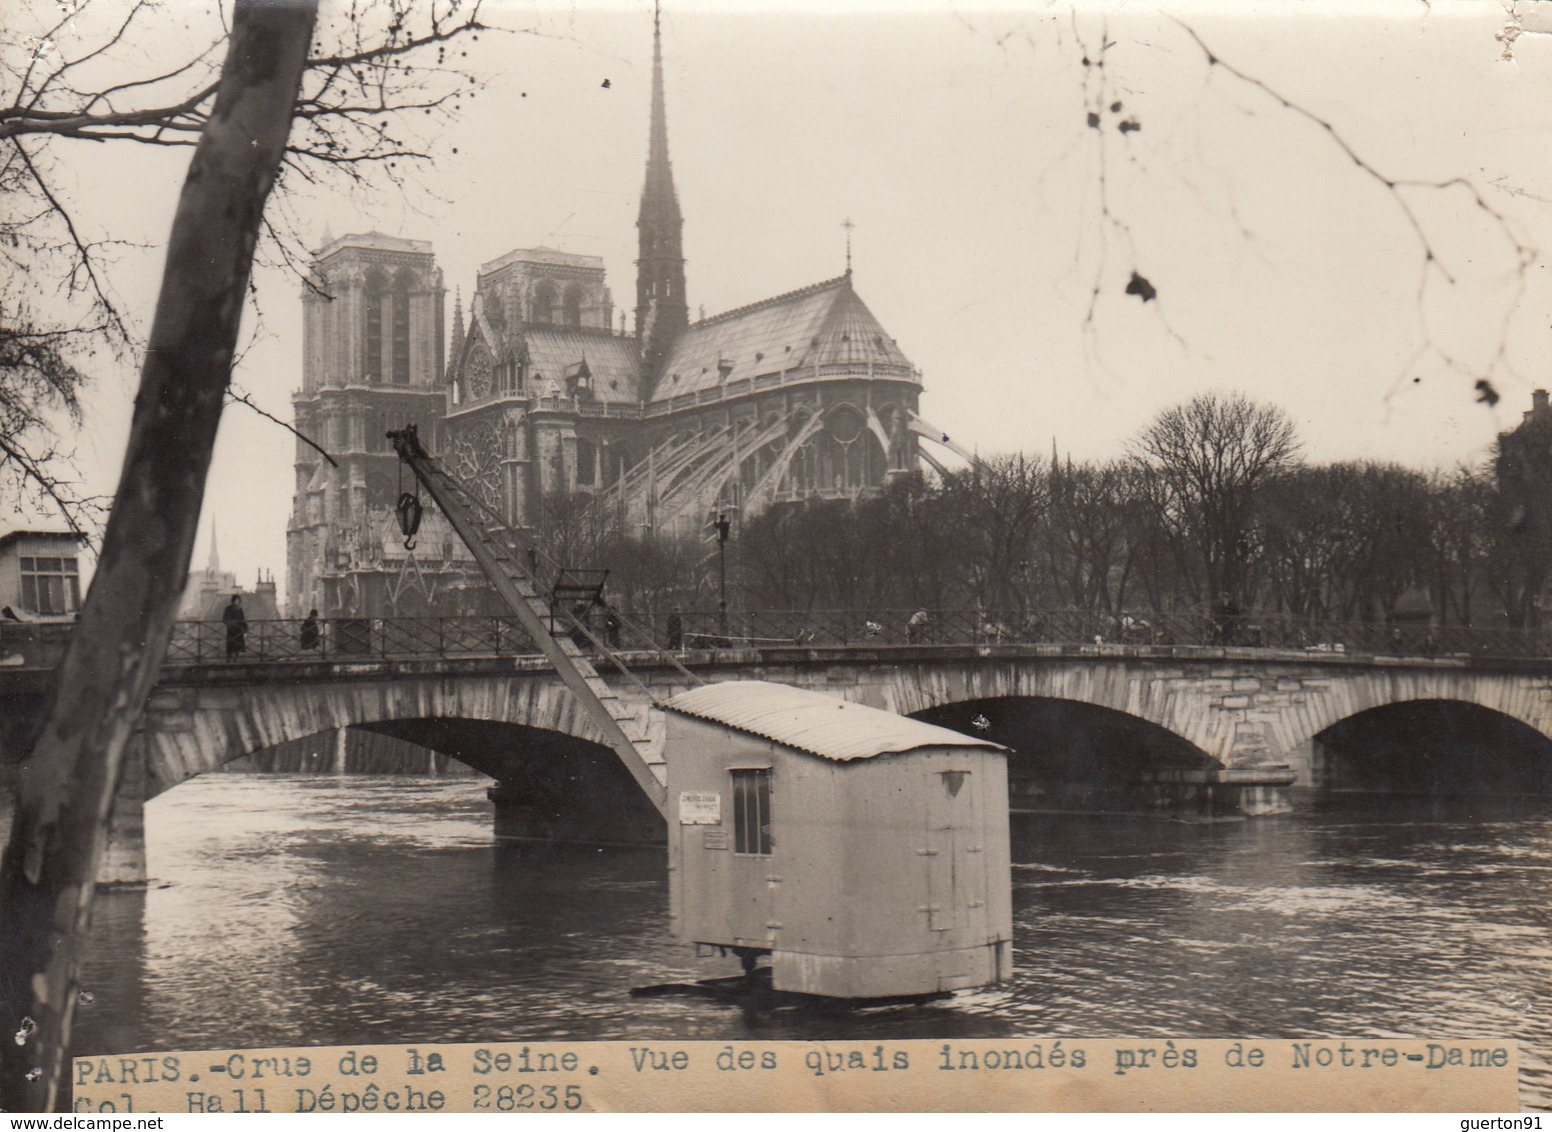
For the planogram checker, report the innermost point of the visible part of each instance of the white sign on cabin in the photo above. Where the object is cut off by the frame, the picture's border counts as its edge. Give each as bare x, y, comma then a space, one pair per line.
700, 807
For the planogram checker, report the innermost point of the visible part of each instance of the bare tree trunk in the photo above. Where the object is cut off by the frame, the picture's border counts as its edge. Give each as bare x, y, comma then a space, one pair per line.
67, 783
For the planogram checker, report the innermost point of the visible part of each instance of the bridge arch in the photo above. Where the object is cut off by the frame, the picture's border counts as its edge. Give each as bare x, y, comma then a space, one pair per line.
1433, 747
1071, 755
190, 730
555, 777
1328, 702
1179, 705
550, 786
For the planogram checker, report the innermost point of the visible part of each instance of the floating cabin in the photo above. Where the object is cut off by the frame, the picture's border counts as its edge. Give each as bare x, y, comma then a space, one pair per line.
865, 852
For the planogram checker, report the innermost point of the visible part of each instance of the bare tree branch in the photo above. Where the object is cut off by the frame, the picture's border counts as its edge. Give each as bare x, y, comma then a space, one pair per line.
85, 263
242, 398
1525, 254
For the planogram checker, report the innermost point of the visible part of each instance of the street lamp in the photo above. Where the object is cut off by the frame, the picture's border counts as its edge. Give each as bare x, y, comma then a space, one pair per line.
722, 525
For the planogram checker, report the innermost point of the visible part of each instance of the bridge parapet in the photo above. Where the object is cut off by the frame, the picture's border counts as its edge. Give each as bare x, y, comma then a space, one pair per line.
1243, 706
1252, 713
365, 638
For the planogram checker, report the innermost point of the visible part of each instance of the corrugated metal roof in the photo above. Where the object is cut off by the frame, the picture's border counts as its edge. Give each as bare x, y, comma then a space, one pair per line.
825, 324
819, 724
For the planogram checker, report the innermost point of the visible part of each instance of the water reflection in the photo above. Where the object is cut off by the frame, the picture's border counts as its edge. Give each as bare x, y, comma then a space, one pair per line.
318, 911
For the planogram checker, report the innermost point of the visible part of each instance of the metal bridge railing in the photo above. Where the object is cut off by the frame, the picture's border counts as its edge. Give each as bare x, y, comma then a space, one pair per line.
1078, 627
34, 645
345, 638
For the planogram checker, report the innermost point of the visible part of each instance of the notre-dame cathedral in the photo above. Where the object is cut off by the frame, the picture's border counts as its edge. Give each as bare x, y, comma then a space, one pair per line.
538, 399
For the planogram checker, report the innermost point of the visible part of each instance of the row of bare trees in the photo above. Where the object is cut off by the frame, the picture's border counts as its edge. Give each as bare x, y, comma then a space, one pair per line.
1211, 509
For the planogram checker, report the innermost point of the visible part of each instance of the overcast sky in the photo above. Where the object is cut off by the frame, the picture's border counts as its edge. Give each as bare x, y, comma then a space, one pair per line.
987, 211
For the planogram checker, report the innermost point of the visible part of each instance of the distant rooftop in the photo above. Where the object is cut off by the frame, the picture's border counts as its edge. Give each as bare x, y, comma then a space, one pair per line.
16, 536
819, 724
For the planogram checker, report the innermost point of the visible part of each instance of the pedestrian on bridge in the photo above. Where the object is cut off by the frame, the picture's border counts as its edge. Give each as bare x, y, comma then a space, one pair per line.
310, 630
612, 623
580, 611
236, 622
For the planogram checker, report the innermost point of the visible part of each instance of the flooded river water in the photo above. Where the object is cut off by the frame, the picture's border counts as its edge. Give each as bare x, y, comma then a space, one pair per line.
306, 910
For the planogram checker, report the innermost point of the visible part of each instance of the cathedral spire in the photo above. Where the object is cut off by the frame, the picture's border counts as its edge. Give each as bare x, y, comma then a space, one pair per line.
661, 310
457, 319
657, 141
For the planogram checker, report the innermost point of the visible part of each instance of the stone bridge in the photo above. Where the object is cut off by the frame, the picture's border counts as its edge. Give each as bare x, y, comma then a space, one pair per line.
1192, 729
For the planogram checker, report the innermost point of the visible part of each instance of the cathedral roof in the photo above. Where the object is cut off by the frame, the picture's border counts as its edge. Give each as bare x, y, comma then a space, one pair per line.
542, 255
373, 241
480, 326
825, 324
616, 374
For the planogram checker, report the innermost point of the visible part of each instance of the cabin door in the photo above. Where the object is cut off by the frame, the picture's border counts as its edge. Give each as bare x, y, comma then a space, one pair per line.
751, 909
956, 860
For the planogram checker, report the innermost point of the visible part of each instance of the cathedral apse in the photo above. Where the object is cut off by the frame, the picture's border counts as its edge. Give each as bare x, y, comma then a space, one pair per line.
540, 392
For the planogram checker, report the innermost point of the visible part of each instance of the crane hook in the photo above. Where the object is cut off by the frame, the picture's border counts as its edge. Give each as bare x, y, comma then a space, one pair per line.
409, 511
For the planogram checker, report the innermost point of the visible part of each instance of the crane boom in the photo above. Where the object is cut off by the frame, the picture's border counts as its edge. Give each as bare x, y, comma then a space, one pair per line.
495, 546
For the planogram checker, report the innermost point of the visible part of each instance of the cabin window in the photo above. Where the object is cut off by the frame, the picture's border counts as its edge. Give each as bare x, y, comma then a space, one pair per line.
51, 585
752, 812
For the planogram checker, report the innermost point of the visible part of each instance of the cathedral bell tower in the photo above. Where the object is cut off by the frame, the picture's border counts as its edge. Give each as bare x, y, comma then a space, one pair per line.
372, 359
662, 312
